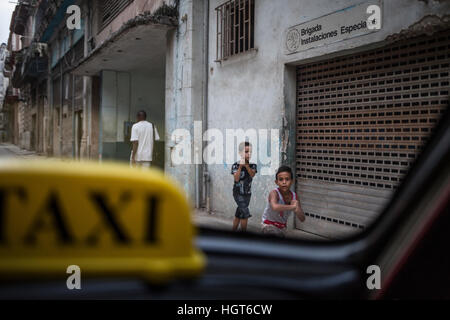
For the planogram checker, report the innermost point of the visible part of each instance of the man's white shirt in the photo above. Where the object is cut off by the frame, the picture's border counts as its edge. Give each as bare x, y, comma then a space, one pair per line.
142, 132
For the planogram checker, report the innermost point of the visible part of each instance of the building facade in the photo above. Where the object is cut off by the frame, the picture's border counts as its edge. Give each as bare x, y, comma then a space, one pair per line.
353, 105
11, 103
345, 92
4, 83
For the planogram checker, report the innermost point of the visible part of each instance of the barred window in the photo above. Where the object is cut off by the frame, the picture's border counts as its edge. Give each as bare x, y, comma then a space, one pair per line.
235, 28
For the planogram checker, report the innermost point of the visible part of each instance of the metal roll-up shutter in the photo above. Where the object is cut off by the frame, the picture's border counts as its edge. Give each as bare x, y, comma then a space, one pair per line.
362, 120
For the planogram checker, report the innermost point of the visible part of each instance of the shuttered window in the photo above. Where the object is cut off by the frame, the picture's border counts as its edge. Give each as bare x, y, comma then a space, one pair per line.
111, 9
362, 120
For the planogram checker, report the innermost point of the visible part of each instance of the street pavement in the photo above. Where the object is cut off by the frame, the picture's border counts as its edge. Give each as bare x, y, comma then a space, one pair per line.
5, 151
214, 221
8, 150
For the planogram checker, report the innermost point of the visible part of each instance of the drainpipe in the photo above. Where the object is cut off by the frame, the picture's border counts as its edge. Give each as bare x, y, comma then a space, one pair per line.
197, 186
206, 177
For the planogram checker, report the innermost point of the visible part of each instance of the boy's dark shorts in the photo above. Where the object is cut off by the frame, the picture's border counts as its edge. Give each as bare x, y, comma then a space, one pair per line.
242, 201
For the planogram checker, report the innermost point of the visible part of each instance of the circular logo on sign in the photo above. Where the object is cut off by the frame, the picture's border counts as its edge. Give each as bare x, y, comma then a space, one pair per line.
292, 40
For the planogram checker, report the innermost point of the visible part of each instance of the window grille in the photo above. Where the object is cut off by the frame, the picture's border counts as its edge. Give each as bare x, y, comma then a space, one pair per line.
235, 28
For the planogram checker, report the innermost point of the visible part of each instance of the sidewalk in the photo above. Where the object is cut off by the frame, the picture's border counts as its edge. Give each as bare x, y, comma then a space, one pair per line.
203, 219
12, 151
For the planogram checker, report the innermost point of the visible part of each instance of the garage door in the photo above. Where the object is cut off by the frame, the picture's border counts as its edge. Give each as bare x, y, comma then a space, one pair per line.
361, 121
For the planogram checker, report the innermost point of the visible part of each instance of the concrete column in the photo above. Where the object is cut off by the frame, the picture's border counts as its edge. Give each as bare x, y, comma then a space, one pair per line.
184, 86
85, 139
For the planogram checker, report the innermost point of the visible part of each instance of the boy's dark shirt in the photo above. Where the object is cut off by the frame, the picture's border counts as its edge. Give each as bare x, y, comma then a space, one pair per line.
244, 185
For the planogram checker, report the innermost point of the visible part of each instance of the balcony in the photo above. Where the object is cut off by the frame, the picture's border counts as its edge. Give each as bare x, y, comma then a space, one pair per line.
11, 96
20, 17
30, 64
9, 65
139, 43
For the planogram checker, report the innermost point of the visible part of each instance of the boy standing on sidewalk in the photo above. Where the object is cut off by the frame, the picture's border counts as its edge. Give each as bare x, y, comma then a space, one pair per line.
243, 173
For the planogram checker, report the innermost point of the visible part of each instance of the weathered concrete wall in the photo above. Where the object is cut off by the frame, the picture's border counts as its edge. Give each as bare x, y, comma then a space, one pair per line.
184, 86
67, 131
24, 131
95, 118
123, 94
257, 89
135, 8
114, 85
56, 133
4, 82
148, 94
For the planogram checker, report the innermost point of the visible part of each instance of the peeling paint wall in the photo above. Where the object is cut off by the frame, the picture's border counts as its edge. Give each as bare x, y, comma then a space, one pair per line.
135, 8
184, 85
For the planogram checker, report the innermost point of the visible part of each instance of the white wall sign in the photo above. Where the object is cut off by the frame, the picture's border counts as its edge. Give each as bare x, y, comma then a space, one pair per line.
350, 22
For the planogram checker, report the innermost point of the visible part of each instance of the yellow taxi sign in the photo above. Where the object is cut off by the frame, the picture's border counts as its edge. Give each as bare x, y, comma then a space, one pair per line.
108, 219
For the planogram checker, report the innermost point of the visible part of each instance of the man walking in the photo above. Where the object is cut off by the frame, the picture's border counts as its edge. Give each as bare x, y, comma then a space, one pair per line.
143, 133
